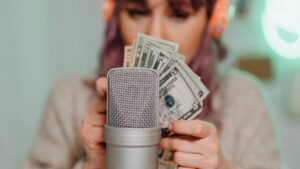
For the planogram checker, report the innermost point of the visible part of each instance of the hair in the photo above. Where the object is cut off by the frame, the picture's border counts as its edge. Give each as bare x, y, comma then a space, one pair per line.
203, 63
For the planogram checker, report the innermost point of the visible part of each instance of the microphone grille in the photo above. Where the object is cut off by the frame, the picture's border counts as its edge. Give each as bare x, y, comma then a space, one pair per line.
133, 97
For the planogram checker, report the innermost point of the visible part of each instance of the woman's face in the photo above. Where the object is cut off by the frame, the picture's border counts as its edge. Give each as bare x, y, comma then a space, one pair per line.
182, 24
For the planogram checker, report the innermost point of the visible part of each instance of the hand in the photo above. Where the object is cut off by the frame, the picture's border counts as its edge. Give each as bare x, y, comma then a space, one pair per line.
92, 129
196, 147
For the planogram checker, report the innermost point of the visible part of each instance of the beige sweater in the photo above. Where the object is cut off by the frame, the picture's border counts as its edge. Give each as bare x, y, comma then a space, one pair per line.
246, 137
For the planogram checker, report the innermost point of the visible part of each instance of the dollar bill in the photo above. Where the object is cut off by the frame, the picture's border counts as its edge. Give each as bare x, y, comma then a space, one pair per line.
163, 164
178, 97
149, 53
181, 90
140, 41
166, 59
195, 79
127, 60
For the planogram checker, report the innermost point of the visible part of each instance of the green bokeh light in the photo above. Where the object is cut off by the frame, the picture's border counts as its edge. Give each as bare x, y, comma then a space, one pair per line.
281, 27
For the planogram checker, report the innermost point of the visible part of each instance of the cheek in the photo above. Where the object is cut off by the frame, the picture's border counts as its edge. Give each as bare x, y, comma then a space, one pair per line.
189, 45
189, 37
189, 34
125, 26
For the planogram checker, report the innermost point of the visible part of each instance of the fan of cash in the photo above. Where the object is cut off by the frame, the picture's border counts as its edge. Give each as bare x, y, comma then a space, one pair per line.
181, 91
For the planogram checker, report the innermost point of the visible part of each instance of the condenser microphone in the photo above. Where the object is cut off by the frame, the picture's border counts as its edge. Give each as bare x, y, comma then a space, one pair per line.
132, 133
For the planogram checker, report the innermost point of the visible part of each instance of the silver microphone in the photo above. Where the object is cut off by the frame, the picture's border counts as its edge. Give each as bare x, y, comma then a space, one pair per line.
132, 133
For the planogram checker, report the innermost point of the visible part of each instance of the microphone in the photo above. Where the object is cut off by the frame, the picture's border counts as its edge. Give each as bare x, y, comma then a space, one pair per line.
132, 133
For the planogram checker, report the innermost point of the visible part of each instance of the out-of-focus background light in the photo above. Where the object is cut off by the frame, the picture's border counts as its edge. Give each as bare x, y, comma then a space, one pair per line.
281, 27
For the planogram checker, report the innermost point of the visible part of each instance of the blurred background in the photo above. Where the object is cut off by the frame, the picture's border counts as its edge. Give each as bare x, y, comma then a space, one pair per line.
42, 41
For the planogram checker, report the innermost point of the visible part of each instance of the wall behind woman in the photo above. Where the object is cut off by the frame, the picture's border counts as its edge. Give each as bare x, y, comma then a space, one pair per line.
41, 41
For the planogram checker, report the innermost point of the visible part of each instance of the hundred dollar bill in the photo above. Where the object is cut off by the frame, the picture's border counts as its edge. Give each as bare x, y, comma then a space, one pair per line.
139, 44
127, 56
178, 97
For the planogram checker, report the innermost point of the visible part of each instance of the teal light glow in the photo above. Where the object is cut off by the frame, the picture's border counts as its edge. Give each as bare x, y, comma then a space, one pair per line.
281, 27
232, 11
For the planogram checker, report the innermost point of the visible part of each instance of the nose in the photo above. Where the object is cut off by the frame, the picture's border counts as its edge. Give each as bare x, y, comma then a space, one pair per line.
155, 27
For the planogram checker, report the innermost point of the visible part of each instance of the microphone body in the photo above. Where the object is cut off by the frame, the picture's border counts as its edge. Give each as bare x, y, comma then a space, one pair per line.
132, 148
132, 133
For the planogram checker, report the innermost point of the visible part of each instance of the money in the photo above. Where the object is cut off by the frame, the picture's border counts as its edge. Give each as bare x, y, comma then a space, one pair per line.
127, 56
139, 44
181, 91
179, 97
162, 164
149, 53
195, 79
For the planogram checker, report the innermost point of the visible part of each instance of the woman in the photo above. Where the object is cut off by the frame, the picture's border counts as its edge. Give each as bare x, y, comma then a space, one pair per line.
234, 131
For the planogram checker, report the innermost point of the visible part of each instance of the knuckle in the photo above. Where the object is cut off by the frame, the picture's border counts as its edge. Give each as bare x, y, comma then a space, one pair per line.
103, 120
83, 134
90, 146
100, 136
174, 143
85, 119
99, 81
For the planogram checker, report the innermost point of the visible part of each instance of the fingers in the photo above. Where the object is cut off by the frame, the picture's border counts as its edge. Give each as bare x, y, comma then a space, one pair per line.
197, 147
92, 125
188, 160
187, 145
92, 131
93, 142
95, 114
195, 128
97, 106
93, 136
101, 86
95, 120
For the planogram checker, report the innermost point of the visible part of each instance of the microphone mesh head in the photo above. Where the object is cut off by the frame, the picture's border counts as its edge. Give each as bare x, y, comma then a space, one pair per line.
133, 97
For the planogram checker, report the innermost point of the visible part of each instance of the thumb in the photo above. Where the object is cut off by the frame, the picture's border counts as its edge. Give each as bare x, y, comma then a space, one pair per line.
101, 86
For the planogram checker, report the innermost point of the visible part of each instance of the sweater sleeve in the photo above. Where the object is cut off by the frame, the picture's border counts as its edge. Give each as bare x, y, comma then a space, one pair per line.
249, 141
57, 145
